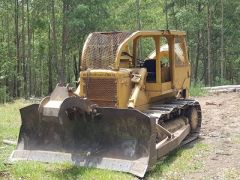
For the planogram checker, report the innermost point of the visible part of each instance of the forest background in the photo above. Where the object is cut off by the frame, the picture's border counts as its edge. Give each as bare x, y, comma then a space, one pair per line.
42, 40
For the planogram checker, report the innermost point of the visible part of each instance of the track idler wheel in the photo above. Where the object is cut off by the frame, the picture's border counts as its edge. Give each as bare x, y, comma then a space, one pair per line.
194, 120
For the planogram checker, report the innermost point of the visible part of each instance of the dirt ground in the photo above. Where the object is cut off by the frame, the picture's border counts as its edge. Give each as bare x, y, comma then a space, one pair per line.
221, 131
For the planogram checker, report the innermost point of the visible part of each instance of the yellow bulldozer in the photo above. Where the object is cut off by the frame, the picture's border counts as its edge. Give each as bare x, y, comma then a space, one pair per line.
131, 106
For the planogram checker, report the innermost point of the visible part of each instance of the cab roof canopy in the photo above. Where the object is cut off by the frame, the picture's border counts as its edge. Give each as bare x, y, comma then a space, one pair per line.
102, 50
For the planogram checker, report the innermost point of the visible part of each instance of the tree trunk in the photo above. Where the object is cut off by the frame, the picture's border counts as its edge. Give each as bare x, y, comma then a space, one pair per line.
68, 71
23, 52
3, 32
16, 77
29, 56
33, 71
222, 41
138, 18
8, 84
54, 37
50, 84
139, 25
175, 22
41, 76
76, 68
197, 58
166, 13
64, 42
199, 37
209, 70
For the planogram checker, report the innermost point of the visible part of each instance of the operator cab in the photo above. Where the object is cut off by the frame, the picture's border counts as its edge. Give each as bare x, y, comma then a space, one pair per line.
150, 65
157, 61
145, 57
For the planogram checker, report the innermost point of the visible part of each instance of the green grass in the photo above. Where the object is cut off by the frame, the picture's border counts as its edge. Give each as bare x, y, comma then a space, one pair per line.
197, 90
10, 119
236, 139
179, 163
35, 170
9, 129
232, 173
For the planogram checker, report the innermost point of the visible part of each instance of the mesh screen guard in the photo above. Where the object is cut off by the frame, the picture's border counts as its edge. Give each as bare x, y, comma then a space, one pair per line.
101, 48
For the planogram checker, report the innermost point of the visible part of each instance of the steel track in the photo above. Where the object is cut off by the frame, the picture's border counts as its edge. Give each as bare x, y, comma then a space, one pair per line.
174, 109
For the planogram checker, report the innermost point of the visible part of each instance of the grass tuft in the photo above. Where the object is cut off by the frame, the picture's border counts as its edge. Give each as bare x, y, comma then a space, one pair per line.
236, 139
197, 90
232, 173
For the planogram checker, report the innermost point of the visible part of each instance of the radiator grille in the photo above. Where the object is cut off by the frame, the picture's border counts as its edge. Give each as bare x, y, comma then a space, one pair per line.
102, 92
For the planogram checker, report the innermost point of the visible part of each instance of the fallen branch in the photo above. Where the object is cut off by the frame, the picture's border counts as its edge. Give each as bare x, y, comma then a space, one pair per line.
227, 88
213, 103
9, 142
223, 87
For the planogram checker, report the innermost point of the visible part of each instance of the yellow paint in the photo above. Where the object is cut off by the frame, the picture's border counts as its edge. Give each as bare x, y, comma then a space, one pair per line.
139, 93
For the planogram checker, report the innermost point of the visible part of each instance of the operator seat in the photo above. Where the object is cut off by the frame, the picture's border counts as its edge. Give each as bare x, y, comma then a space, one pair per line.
150, 65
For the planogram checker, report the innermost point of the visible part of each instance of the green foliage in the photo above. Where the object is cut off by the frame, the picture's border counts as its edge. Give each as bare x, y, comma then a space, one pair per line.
83, 17
147, 46
197, 90
219, 81
4, 96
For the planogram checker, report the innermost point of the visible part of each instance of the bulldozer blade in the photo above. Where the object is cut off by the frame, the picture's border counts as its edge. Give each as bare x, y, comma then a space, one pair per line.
107, 138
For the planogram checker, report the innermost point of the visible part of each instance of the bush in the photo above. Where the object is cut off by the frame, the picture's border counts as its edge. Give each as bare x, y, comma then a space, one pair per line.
4, 96
197, 90
219, 81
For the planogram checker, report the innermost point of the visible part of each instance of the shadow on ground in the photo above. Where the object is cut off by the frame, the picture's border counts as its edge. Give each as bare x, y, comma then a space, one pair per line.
164, 163
71, 172
75, 172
